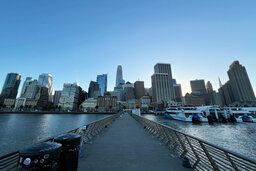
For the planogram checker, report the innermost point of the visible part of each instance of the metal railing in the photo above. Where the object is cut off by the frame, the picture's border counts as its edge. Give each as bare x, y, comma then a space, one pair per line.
10, 161
202, 154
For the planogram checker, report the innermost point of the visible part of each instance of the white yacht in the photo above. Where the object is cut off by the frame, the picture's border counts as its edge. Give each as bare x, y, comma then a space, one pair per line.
241, 115
187, 114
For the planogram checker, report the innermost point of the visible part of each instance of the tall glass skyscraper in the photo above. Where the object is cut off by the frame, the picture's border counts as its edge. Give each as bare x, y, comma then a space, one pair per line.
26, 82
11, 85
102, 80
119, 76
45, 80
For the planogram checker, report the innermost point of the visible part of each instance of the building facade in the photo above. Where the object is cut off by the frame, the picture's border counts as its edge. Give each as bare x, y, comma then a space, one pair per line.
69, 97
240, 83
102, 80
119, 76
139, 89
198, 87
107, 102
56, 98
11, 86
94, 90
162, 84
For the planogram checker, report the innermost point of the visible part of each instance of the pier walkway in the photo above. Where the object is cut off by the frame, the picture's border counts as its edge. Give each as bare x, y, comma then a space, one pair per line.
126, 145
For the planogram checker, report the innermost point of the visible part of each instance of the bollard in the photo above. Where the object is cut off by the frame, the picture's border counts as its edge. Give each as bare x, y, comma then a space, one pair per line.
70, 151
42, 156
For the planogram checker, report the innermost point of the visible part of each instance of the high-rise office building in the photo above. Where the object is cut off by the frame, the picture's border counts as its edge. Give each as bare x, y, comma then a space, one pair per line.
11, 86
69, 96
198, 86
30, 90
177, 91
139, 89
102, 80
240, 83
209, 87
226, 93
162, 84
119, 76
94, 90
128, 91
45, 80
26, 82
56, 98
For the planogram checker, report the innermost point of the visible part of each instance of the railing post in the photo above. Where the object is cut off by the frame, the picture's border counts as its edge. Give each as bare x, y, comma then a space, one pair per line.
182, 145
195, 153
231, 161
215, 167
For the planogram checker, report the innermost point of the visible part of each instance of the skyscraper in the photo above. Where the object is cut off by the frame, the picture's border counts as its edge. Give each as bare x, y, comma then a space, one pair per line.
102, 80
11, 85
69, 96
119, 76
129, 91
240, 83
26, 82
198, 86
94, 90
139, 89
45, 80
177, 91
209, 88
162, 86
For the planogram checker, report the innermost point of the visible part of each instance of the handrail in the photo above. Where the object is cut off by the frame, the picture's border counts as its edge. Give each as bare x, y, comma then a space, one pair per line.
202, 155
10, 161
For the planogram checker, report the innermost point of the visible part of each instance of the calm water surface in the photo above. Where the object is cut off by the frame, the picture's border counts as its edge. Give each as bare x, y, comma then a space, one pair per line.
20, 130
238, 137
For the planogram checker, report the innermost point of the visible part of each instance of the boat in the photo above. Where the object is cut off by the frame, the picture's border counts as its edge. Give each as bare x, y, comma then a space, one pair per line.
241, 115
186, 114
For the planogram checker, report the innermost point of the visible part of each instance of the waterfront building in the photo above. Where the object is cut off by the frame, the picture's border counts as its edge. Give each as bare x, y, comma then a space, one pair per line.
9, 103
139, 89
133, 103
194, 100
177, 91
94, 90
56, 98
102, 80
20, 103
120, 89
128, 91
69, 96
107, 102
31, 89
28, 79
240, 83
226, 93
198, 87
145, 102
89, 105
119, 76
45, 80
11, 86
162, 86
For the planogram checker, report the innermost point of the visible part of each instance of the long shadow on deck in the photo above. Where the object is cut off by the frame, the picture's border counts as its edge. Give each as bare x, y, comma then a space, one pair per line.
126, 145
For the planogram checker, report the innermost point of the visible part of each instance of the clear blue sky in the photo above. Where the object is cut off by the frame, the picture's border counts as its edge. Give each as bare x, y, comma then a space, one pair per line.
75, 40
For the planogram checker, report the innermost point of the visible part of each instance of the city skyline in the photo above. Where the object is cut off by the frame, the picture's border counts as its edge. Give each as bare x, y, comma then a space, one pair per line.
111, 86
75, 41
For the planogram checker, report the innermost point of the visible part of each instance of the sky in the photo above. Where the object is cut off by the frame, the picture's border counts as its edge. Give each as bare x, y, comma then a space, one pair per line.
77, 40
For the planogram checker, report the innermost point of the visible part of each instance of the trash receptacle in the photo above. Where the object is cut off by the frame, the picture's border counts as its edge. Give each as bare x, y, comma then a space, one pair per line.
70, 151
42, 156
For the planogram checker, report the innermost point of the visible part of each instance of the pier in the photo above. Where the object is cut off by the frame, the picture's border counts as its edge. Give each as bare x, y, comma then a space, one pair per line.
126, 145
130, 142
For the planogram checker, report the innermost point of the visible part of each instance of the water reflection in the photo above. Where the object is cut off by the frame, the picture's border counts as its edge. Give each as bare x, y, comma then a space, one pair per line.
238, 137
20, 130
